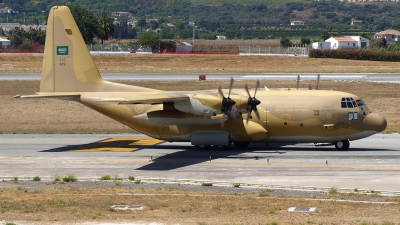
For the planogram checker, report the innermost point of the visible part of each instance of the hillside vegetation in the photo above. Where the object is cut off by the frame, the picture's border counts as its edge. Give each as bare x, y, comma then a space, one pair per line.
235, 18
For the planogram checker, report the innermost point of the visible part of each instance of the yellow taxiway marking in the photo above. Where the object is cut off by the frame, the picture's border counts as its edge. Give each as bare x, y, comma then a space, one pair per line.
117, 145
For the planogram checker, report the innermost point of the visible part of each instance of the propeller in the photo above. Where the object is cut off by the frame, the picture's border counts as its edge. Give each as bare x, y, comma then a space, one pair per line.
227, 102
252, 102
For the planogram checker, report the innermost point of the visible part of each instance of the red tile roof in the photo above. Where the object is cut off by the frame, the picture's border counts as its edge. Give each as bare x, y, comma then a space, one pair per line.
389, 32
345, 39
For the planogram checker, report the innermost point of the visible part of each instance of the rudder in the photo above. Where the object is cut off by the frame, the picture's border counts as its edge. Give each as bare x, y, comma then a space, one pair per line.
67, 63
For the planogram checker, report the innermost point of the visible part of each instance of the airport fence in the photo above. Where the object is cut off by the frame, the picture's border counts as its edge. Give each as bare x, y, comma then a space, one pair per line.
250, 50
274, 50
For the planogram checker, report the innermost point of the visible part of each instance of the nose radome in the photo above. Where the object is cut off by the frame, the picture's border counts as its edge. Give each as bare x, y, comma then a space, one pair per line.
374, 122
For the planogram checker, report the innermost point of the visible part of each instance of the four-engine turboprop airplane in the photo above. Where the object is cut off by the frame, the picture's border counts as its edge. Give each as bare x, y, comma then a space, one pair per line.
204, 118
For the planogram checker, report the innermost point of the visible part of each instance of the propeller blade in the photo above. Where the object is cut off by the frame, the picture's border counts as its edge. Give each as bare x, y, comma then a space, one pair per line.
248, 117
257, 114
223, 119
257, 86
230, 87
247, 90
220, 92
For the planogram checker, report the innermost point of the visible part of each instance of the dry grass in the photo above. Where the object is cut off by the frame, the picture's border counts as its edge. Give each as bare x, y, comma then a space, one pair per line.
47, 205
210, 64
57, 116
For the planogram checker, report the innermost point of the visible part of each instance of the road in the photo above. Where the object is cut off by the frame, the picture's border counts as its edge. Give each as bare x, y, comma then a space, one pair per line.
372, 77
369, 164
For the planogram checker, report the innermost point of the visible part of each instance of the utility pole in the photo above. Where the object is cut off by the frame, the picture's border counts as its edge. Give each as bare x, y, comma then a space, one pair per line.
193, 36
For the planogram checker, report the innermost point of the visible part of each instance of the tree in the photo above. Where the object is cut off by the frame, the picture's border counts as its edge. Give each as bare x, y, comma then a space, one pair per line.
141, 22
285, 42
325, 35
106, 25
149, 39
305, 41
87, 22
378, 43
17, 36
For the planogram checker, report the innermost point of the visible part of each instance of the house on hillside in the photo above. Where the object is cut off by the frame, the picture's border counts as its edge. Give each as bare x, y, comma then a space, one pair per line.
297, 23
171, 27
347, 42
221, 37
391, 36
355, 22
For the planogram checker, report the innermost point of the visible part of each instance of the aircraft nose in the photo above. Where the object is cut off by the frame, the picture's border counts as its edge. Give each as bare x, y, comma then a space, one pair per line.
375, 122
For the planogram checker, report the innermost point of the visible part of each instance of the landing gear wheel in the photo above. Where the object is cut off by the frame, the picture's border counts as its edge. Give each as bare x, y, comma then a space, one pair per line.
241, 144
202, 147
342, 145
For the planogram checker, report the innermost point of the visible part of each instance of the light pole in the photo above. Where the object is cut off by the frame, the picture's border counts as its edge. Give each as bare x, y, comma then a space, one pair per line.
193, 36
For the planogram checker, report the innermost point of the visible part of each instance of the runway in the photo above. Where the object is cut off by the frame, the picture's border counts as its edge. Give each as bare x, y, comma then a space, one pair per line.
370, 77
369, 164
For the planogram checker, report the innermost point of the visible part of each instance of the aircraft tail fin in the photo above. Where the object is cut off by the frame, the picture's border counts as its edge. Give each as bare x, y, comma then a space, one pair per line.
67, 63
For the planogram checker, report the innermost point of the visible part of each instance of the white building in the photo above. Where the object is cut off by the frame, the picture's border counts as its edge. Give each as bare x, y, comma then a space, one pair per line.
321, 45
297, 23
5, 43
347, 42
221, 37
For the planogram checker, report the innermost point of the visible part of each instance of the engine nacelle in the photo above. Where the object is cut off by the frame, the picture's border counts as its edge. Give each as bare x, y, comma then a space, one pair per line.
204, 105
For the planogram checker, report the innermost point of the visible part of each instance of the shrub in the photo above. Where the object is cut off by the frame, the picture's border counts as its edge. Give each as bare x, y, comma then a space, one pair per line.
37, 178
333, 191
57, 178
106, 177
131, 178
207, 184
356, 54
69, 178
15, 180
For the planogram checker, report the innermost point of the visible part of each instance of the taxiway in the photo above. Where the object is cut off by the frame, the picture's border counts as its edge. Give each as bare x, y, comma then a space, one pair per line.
370, 164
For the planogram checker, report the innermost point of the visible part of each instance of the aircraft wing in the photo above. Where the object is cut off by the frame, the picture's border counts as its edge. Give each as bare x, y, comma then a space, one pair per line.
50, 95
146, 98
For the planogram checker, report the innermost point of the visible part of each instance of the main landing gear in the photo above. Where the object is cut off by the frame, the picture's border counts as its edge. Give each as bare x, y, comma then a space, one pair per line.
342, 145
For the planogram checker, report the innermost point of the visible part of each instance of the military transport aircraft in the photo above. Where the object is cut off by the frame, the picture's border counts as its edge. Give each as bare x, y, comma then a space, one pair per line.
204, 118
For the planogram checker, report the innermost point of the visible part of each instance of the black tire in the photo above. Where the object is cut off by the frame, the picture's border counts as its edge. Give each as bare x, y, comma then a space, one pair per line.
202, 147
342, 145
241, 144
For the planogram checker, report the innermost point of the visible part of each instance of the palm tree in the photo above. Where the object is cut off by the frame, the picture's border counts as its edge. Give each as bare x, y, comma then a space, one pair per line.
106, 25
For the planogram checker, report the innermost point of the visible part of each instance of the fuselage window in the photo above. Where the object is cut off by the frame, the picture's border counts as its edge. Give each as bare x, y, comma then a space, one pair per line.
350, 116
355, 116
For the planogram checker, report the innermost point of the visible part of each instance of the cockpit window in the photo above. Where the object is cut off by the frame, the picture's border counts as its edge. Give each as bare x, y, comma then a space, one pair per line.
349, 105
352, 103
